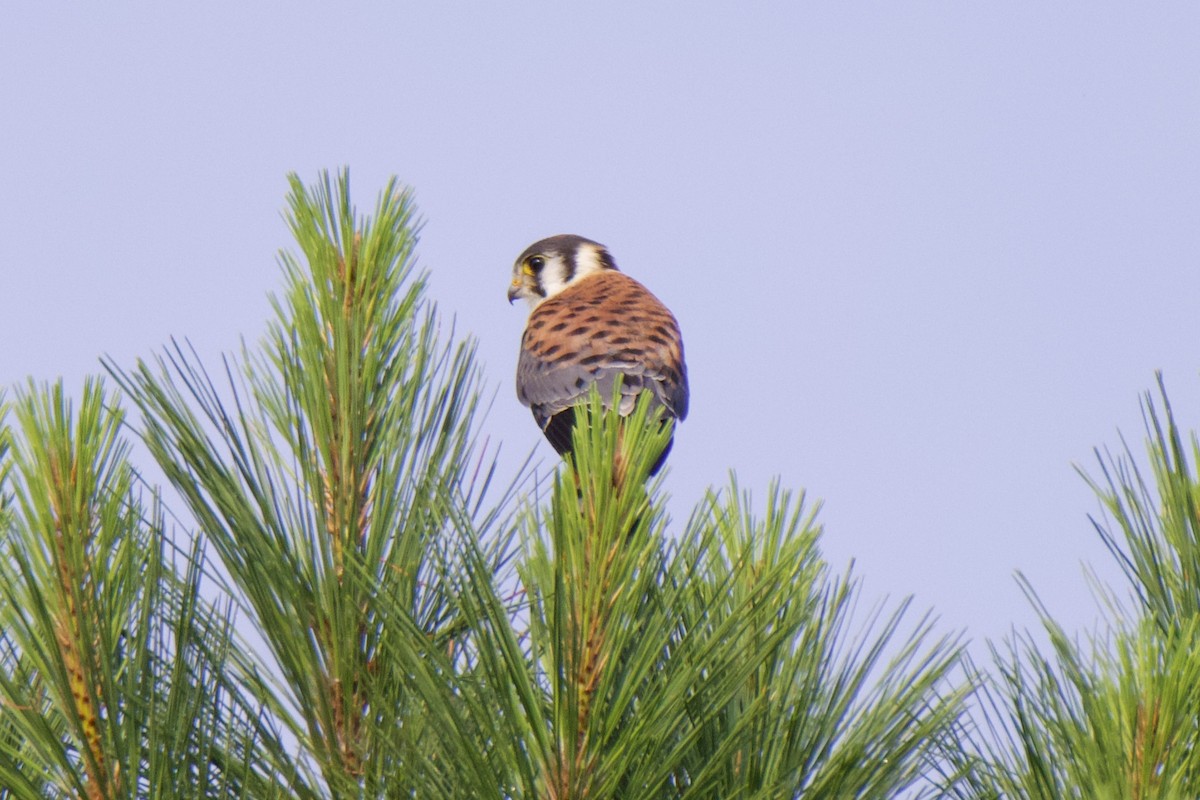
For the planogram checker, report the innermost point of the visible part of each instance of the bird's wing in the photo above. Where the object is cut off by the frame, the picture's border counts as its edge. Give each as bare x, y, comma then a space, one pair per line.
549, 387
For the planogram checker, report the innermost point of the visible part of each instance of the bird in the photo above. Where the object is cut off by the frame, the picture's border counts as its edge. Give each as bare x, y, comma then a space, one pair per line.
588, 323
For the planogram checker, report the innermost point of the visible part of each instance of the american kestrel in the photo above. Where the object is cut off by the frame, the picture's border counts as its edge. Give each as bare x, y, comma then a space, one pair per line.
590, 322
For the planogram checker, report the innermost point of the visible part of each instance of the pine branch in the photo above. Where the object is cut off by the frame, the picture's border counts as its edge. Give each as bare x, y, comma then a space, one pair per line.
325, 475
1112, 715
112, 675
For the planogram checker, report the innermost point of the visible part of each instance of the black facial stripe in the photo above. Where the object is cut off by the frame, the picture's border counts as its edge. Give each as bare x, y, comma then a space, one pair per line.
606, 260
571, 266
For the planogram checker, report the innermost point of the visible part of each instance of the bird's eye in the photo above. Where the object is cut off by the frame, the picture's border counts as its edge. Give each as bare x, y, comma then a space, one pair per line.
536, 263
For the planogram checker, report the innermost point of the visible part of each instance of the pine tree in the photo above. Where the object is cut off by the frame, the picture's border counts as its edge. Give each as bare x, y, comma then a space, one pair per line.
419, 630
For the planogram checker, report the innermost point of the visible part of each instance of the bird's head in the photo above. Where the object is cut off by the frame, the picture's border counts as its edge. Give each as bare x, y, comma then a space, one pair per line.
551, 265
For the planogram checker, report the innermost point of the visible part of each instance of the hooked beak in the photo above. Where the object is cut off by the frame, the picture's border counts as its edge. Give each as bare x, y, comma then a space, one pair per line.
518, 288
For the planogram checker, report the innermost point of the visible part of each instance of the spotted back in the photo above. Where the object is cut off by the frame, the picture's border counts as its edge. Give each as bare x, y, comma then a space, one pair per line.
601, 326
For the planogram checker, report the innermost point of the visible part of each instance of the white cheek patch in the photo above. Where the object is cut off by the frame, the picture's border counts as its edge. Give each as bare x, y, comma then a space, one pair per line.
587, 261
554, 276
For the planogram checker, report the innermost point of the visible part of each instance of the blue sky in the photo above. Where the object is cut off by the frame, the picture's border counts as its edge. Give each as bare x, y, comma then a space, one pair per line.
925, 256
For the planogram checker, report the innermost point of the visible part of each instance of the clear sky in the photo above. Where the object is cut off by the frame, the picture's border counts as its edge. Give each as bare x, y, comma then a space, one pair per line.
926, 256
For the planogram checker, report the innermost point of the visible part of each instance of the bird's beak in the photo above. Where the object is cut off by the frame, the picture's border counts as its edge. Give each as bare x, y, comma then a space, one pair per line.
515, 289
